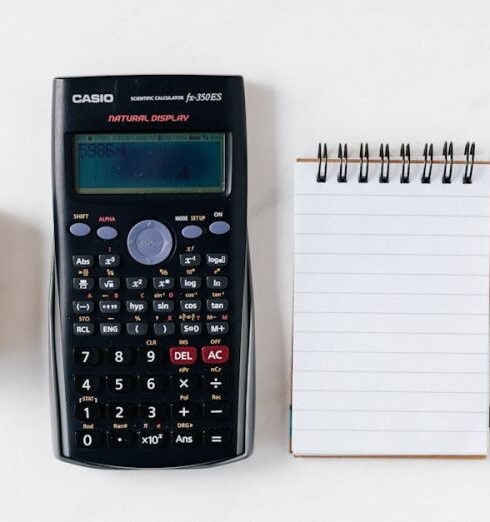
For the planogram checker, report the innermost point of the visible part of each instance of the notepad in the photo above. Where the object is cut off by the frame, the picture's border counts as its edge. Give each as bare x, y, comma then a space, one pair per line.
391, 309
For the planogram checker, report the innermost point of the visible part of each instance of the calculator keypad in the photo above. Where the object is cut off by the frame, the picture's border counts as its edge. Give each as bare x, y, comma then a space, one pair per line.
140, 379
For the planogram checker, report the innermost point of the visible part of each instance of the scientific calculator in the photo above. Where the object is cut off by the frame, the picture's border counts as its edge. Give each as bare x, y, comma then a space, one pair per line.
151, 305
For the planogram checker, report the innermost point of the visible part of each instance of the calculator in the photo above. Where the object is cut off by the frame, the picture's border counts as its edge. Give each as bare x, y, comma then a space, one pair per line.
151, 306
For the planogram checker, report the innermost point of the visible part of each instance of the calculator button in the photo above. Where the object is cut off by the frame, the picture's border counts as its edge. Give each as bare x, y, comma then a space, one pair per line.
184, 382
216, 260
183, 355
89, 439
185, 438
190, 283
152, 383
219, 227
152, 411
217, 438
217, 410
87, 384
163, 283
83, 307
136, 283
83, 261
109, 260
166, 328
148, 355
110, 328
163, 306
190, 260
137, 328
190, 305
120, 411
83, 283
86, 356
83, 329
79, 229
217, 354
107, 233
217, 305
109, 283
120, 383
216, 283
119, 356
122, 439
185, 410
136, 307
152, 438
220, 328
217, 383
192, 232
88, 411
110, 307
150, 242
190, 328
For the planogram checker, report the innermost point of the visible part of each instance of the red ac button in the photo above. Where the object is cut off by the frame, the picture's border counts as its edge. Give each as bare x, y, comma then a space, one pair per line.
183, 355
218, 354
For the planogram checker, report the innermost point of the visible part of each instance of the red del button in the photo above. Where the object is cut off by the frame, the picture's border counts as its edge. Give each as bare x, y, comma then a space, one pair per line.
215, 354
182, 355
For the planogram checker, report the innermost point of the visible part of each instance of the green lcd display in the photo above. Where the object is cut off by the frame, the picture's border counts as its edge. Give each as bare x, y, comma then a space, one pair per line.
149, 163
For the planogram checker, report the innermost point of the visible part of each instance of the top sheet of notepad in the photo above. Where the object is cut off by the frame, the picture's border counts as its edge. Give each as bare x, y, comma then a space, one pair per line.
391, 311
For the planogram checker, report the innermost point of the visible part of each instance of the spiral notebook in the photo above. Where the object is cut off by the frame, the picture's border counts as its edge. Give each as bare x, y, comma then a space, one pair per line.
391, 304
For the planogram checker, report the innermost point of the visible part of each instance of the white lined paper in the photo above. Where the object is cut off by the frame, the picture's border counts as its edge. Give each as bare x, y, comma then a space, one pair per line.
391, 314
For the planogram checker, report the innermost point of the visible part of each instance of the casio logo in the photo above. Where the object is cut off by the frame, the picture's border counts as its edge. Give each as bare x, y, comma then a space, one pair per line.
92, 98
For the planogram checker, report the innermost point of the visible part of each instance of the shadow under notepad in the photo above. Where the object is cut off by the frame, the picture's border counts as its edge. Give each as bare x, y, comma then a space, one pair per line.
272, 345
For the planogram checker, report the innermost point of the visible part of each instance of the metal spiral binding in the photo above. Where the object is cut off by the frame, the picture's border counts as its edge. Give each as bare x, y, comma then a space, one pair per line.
405, 155
321, 176
384, 154
447, 151
406, 163
342, 176
363, 163
428, 160
469, 152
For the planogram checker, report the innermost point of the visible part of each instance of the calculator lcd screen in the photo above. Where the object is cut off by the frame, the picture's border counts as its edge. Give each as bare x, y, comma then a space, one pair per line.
149, 163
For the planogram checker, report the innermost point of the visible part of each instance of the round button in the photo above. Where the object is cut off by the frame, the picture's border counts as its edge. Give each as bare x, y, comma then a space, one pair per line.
107, 233
80, 229
219, 227
192, 231
149, 242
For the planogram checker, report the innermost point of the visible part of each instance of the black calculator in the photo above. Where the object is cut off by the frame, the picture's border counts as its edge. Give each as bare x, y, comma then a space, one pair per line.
151, 307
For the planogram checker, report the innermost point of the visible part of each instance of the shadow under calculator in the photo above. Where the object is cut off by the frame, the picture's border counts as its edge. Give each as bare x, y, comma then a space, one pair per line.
272, 345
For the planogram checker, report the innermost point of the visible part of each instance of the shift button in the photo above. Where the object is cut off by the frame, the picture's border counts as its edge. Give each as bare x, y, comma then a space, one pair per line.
219, 227
79, 229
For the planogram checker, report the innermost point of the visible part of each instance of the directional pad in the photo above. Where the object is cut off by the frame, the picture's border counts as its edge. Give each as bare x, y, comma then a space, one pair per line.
150, 242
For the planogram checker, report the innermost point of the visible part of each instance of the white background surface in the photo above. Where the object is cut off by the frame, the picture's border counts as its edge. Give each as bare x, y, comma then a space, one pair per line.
337, 70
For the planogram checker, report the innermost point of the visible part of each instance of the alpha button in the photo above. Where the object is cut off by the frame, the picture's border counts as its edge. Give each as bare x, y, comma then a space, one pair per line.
149, 242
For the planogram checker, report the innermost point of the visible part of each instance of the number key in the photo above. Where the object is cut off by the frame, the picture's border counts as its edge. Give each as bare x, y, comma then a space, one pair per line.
87, 383
88, 438
149, 355
120, 411
154, 383
87, 356
88, 411
119, 356
151, 411
120, 383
